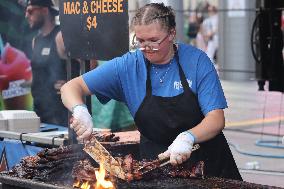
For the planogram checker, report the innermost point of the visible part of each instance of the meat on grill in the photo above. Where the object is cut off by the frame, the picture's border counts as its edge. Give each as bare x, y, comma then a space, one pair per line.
186, 170
68, 162
49, 164
84, 171
50, 169
105, 136
102, 136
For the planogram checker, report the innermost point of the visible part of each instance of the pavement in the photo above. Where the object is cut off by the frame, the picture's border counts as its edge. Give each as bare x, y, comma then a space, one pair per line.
254, 130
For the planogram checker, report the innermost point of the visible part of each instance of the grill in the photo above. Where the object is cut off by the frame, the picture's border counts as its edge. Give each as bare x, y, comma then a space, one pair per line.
10, 182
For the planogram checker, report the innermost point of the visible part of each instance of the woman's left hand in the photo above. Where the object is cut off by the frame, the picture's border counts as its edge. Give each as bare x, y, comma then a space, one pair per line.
180, 150
82, 122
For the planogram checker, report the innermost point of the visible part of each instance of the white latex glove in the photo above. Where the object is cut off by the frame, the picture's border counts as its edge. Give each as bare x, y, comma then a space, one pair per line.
180, 150
82, 123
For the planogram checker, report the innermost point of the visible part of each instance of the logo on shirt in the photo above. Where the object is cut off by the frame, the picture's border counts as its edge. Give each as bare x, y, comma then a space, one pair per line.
45, 51
178, 85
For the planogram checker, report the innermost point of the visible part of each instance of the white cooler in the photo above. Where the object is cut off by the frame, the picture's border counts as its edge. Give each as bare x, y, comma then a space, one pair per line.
21, 121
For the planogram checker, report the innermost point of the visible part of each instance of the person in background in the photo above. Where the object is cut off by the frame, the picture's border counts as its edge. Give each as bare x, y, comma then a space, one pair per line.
210, 32
48, 64
193, 27
171, 89
14, 27
200, 41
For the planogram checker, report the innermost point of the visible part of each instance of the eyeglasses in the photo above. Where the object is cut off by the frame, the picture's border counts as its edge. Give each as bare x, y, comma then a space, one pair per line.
31, 10
152, 45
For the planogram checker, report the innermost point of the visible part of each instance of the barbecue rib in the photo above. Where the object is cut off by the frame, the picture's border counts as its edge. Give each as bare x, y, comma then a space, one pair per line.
102, 136
49, 164
84, 171
105, 136
131, 167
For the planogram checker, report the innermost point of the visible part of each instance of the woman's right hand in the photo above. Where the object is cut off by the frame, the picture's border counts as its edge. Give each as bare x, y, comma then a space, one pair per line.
82, 122
180, 150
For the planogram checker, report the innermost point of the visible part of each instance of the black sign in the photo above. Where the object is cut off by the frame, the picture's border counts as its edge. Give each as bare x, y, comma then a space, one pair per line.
94, 29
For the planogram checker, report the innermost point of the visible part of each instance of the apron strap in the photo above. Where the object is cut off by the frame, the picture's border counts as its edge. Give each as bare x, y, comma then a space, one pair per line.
181, 73
148, 81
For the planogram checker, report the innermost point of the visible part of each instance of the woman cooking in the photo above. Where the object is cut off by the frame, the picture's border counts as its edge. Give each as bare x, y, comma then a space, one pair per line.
171, 89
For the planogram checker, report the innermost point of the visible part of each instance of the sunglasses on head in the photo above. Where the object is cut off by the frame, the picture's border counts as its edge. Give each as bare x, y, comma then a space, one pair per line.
31, 10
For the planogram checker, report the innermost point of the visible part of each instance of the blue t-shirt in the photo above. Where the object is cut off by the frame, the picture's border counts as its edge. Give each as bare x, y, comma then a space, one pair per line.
124, 79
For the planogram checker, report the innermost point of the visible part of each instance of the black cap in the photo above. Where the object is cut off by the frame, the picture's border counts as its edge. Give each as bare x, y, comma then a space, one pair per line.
45, 3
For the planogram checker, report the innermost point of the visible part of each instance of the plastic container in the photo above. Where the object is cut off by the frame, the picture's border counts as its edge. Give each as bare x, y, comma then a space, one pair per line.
21, 121
3, 123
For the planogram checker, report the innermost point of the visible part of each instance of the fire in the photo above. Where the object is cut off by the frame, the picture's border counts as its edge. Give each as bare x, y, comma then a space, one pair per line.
76, 184
101, 182
85, 185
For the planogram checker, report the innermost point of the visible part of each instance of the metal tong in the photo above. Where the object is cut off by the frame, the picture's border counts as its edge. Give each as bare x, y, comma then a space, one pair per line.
98, 152
161, 163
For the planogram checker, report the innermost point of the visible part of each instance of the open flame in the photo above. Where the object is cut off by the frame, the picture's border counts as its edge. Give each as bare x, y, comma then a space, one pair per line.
101, 182
85, 185
76, 184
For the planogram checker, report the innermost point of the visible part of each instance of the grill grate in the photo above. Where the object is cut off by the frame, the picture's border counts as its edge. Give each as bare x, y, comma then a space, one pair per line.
9, 182
12, 182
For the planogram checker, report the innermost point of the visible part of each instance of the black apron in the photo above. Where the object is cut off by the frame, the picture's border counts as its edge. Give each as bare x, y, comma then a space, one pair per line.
161, 119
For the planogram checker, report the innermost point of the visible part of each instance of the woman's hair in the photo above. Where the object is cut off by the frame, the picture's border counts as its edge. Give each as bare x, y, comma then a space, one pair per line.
155, 12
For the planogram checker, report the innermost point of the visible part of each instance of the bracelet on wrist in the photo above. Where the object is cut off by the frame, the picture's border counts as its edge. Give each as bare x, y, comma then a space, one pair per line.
192, 137
83, 105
